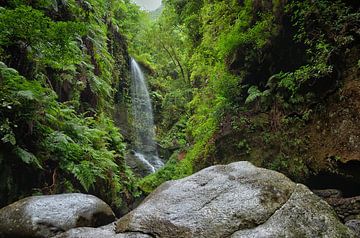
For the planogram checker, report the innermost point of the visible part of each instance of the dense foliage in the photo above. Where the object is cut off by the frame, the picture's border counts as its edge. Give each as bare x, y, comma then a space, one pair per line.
256, 73
63, 66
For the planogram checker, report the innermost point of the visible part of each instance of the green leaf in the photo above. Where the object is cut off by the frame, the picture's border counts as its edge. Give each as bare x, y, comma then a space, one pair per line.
9, 138
254, 93
26, 94
84, 173
27, 157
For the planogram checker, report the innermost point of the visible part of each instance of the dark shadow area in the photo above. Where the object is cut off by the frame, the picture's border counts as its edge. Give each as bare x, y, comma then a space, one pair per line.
273, 59
347, 180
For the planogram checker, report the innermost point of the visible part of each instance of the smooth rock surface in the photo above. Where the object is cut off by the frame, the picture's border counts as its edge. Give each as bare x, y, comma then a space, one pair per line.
238, 200
46, 216
101, 232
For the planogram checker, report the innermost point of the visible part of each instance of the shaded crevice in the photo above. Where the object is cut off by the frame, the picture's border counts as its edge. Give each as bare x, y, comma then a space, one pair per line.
211, 200
203, 184
144, 233
347, 184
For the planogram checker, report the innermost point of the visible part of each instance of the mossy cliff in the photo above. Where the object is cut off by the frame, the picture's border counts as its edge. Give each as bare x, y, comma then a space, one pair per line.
272, 82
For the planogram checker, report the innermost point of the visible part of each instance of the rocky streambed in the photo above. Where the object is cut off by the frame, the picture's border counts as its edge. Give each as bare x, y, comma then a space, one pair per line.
235, 200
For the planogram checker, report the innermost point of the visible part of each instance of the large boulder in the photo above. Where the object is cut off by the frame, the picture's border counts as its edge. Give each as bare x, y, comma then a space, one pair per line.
236, 200
303, 215
46, 216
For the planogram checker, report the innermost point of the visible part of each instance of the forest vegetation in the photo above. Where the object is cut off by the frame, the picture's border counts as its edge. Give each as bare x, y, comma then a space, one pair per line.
274, 82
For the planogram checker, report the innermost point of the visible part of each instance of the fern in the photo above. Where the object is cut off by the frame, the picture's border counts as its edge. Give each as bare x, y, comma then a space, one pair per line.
254, 93
27, 157
41, 130
84, 173
26, 94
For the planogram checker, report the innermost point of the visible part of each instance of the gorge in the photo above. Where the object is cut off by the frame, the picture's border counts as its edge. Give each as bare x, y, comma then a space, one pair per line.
198, 119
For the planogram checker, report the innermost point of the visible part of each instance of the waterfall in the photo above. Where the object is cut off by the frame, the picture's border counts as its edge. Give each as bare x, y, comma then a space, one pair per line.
143, 122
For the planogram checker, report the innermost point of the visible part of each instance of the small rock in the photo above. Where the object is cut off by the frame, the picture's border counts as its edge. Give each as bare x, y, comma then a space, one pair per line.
355, 226
328, 193
346, 208
46, 216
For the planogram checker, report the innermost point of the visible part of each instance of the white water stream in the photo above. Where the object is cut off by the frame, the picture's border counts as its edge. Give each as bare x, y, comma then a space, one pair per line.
143, 121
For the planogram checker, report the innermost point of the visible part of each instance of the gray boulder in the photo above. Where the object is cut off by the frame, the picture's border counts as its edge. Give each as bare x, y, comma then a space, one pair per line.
303, 215
236, 200
46, 216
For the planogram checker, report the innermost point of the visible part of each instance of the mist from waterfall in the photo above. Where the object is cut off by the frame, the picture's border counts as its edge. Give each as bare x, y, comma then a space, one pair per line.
143, 121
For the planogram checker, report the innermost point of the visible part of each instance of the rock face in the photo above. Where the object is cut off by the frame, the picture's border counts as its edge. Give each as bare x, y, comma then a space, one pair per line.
101, 232
46, 216
236, 200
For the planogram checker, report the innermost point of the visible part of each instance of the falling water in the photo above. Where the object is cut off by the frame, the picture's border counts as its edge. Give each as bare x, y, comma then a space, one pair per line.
143, 121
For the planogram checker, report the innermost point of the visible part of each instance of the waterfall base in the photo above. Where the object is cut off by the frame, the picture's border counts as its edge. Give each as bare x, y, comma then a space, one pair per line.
143, 165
